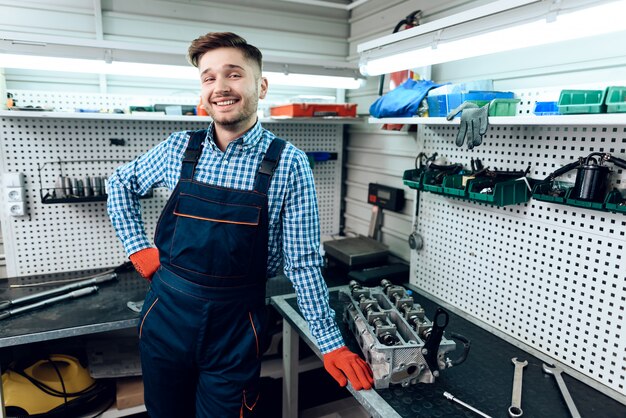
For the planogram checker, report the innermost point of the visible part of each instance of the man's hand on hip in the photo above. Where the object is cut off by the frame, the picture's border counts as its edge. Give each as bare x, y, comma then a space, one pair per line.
146, 262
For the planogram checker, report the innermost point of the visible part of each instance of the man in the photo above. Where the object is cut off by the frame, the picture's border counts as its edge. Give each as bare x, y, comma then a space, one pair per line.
243, 201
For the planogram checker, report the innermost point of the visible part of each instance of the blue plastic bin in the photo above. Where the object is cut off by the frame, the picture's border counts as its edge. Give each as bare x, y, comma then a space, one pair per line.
441, 105
546, 108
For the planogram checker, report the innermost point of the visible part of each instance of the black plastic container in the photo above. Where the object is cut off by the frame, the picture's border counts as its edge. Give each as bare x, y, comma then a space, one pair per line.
592, 181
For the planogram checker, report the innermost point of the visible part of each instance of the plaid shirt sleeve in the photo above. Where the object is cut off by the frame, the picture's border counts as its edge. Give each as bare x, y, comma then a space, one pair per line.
127, 183
302, 260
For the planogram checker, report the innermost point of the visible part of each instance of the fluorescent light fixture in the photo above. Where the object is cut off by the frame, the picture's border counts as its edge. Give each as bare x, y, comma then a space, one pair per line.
552, 26
76, 65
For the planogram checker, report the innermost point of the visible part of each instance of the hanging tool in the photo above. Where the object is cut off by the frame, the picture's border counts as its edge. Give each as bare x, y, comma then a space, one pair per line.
556, 371
515, 410
460, 402
63, 289
71, 295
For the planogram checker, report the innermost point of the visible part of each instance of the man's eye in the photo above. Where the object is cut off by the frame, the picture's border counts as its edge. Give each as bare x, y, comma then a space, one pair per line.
235, 75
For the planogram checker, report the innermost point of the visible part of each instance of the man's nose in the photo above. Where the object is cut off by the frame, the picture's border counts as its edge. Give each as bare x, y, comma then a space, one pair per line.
221, 84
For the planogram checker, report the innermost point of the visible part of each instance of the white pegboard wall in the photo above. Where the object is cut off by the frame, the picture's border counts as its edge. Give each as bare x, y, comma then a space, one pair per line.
76, 236
551, 276
69, 102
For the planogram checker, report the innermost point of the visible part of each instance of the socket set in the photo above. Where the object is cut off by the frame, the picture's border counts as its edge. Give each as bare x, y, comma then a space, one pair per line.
72, 189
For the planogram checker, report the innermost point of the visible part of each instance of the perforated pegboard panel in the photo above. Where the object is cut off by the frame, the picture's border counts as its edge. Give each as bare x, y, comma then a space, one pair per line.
69, 102
549, 275
74, 236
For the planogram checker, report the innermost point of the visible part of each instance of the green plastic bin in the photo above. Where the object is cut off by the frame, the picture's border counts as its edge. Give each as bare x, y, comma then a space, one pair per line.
582, 101
583, 203
503, 107
453, 185
616, 99
504, 193
551, 191
430, 184
615, 202
413, 178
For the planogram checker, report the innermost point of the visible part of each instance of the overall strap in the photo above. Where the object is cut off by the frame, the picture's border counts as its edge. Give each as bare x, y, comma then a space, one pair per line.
192, 154
268, 165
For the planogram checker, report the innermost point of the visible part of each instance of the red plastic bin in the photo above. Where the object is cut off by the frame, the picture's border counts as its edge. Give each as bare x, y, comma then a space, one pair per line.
312, 110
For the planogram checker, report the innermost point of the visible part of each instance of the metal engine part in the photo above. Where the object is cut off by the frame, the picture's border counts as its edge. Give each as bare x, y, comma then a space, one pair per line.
401, 345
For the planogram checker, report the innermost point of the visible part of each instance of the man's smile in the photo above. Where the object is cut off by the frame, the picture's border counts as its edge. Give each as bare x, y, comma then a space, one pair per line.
223, 102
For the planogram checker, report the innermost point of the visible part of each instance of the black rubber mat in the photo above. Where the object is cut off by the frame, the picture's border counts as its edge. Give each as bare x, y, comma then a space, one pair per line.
485, 379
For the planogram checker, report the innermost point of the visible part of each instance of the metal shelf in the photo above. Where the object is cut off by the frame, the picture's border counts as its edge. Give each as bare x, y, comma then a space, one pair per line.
148, 116
569, 120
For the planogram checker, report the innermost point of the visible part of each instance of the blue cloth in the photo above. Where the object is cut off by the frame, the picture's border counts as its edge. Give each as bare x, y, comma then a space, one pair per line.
403, 101
294, 238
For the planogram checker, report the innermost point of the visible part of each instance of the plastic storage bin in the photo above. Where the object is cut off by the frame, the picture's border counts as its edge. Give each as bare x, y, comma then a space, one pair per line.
431, 182
441, 105
413, 178
503, 193
551, 191
615, 202
311, 110
616, 99
503, 107
546, 108
582, 101
453, 185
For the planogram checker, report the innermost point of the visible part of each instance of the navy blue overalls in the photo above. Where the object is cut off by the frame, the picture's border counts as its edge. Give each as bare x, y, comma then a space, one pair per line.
204, 316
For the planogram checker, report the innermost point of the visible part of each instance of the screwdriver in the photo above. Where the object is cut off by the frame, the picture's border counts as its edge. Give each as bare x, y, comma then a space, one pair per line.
450, 397
73, 286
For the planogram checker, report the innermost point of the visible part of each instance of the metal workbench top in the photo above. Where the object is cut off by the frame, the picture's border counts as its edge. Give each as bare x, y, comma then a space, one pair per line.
484, 381
104, 310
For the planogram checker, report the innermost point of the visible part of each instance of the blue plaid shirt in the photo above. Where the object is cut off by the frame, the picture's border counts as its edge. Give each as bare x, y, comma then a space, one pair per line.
294, 235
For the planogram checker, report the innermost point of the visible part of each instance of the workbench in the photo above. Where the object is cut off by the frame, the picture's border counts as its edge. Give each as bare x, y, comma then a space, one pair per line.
102, 312
484, 380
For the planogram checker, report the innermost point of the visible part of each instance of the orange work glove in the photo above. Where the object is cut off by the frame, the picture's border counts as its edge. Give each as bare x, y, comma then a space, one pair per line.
343, 362
146, 262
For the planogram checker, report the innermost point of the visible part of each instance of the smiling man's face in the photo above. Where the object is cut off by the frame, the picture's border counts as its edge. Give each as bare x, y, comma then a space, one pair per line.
231, 88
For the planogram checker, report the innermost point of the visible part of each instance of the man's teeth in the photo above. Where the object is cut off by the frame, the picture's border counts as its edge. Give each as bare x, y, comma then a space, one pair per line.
226, 103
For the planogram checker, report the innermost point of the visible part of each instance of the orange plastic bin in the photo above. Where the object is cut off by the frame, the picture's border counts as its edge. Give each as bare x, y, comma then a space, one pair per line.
312, 110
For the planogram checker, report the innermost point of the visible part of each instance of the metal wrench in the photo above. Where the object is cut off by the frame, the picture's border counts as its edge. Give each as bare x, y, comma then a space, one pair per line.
515, 410
556, 371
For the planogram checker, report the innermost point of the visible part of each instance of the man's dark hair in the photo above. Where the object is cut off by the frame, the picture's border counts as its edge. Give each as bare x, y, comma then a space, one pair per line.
215, 40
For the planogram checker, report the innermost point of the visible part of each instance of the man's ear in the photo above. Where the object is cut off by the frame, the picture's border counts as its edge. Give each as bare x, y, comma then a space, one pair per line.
263, 89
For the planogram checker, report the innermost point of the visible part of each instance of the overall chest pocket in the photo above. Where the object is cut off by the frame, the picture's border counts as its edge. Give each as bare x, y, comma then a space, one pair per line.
214, 238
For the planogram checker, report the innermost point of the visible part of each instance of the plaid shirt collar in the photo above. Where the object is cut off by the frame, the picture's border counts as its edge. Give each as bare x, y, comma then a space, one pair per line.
248, 140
